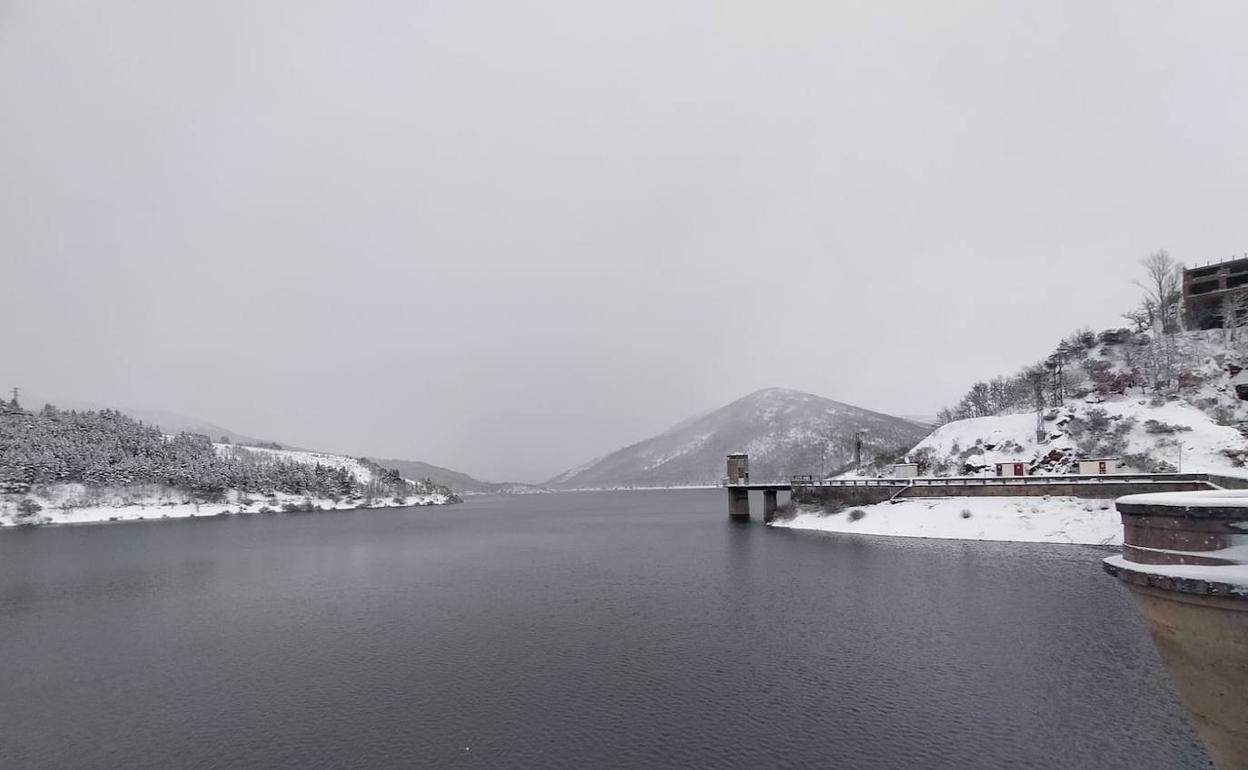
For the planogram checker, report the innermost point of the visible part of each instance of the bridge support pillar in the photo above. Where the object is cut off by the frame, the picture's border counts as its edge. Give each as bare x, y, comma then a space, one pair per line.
769, 504
739, 504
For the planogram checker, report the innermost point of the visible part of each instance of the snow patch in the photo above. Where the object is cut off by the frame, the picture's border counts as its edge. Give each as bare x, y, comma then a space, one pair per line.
1018, 519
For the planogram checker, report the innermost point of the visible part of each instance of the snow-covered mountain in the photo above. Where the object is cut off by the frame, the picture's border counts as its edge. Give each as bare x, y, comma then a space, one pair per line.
457, 481
784, 431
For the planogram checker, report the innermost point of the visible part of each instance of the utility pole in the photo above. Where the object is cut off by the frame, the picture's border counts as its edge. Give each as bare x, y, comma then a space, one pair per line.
858, 450
1180, 457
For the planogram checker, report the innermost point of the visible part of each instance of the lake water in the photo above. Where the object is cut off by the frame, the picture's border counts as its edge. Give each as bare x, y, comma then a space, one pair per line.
577, 630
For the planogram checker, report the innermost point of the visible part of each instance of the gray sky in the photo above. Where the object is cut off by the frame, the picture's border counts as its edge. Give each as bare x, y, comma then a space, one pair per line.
507, 237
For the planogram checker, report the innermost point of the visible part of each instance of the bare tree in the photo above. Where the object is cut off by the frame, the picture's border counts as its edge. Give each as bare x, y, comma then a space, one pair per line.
1140, 318
1234, 312
1162, 285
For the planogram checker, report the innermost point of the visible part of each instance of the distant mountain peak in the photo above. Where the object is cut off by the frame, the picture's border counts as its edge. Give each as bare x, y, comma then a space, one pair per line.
778, 393
785, 431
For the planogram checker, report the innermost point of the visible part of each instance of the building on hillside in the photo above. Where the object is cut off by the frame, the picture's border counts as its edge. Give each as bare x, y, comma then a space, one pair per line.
1011, 468
1205, 288
1098, 466
905, 470
738, 468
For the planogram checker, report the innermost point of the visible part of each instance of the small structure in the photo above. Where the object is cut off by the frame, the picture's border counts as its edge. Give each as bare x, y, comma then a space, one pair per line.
1012, 468
738, 468
905, 470
1098, 466
737, 481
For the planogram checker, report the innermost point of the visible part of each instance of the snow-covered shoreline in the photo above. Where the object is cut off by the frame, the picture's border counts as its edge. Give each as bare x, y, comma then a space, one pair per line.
1014, 519
62, 504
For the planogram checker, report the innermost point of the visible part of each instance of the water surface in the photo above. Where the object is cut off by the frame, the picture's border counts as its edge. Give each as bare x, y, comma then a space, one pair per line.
576, 630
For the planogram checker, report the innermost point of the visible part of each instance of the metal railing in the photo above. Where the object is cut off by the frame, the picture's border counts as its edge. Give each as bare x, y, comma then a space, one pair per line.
808, 480
1003, 481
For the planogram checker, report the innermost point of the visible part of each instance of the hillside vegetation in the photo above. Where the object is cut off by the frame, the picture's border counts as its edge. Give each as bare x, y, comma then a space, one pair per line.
1154, 394
105, 458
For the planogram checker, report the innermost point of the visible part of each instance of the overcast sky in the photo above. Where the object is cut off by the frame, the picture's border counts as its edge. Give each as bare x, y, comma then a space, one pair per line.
507, 237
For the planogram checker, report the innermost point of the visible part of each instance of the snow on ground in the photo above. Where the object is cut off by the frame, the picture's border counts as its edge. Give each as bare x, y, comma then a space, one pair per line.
1020, 519
361, 472
75, 504
982, 441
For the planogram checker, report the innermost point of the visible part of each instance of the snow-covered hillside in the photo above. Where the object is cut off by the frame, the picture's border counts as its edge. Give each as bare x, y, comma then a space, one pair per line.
784, 432
76, 503
78, 467
1197, 426
357, 469
73, 503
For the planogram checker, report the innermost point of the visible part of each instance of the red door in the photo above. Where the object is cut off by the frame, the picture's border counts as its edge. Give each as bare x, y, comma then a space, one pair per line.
1101, 468
1018, 469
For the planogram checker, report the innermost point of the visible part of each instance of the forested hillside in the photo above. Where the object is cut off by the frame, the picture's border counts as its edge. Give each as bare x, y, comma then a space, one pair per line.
108, 450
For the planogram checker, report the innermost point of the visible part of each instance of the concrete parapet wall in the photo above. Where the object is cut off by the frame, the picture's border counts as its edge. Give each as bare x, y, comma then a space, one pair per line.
843, 495
1108, 490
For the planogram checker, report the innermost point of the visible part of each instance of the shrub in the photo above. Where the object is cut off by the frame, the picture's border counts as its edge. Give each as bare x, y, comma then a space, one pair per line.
1158, 427
856, 514
786, 510
1114, 336
966, 513
829, 507
1222, 415
1236, 456
1096, 420
28, 507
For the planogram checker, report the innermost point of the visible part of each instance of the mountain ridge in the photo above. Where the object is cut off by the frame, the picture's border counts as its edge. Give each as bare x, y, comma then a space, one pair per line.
174, 422
785, 431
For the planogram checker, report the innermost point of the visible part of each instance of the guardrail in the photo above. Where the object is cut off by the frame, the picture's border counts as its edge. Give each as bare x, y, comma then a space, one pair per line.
1003, 481
991, 481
